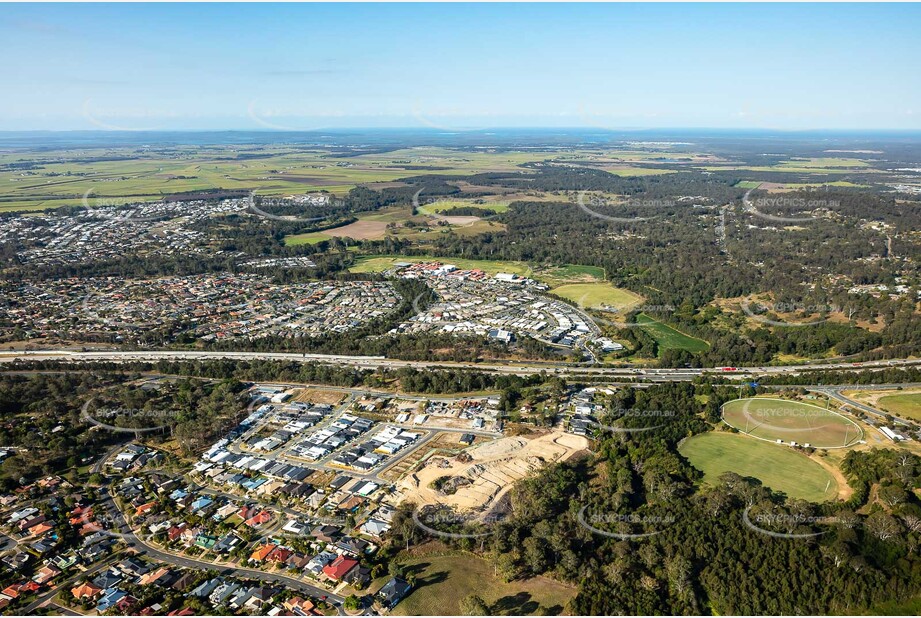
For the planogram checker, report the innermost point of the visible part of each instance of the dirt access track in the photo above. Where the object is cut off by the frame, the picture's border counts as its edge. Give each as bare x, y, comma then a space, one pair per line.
489, 473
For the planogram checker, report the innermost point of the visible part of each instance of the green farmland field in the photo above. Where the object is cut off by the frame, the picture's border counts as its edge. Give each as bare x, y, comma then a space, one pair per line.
668, 338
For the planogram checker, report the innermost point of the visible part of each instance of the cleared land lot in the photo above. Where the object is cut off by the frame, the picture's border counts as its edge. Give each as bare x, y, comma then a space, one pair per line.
370, 226
359, 230
791, 421
779, 467
490, 472
598, 296
446, 443
445, 578
314, 395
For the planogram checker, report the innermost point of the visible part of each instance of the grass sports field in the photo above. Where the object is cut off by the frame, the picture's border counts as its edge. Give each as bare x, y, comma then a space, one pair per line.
442, 581
669, 338
791, 421
779, 467
598, 295
904, 405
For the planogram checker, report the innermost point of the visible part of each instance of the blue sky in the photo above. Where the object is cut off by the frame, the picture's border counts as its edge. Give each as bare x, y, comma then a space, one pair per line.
314, 66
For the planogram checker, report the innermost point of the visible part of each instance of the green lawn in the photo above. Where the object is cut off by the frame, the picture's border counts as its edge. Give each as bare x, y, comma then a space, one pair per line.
442, 581
598, 295
905, 405
670, 339
778, 467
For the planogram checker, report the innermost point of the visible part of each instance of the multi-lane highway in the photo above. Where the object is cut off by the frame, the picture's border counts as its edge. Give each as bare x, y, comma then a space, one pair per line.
380, 362
834, 392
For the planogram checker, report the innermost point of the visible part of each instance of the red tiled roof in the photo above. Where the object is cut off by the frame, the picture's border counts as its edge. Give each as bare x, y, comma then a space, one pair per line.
174, 532
261, 553
144, 508
279, 554
85, 589
41, 528
338, 568
259, 519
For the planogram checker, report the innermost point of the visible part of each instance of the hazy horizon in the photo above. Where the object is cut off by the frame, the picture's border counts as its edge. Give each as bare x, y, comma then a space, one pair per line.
454, 67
